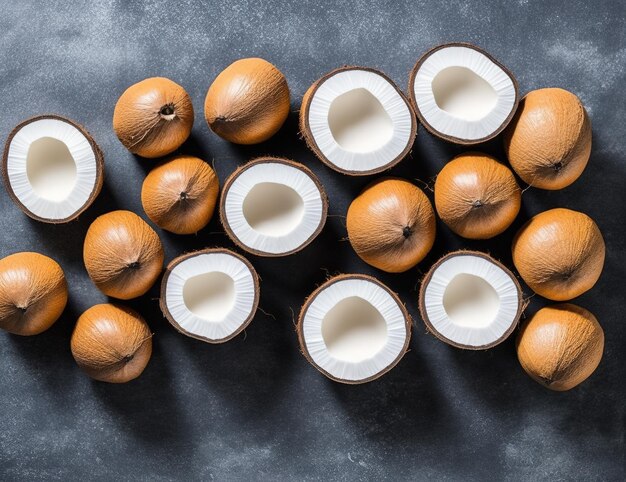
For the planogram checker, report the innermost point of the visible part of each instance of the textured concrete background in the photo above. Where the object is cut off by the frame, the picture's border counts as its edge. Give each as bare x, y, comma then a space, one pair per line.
253, 408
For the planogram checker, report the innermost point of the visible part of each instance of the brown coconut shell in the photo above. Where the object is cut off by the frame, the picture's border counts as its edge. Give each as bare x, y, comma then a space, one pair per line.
391, 225
560, 346
559, 253
111, 343
152, 118
422, 295
431, 129
99, 168
305, 128
279, 160
548, 142
180, 194
477, 196
180, 259
248, 102
33, 293
123, 255
311, 298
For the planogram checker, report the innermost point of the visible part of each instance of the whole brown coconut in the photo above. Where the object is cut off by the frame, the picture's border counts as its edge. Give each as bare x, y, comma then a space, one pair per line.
111, 343
248, 102
560, 346
548, 142
559, 253
476, 196
180, 194
391, 225
122, 254
152, 118
33, 293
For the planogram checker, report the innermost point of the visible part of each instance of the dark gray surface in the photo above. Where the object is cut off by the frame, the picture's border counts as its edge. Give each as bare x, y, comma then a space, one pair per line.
253, 408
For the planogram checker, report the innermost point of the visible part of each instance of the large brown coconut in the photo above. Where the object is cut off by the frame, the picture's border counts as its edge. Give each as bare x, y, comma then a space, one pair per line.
559, 253
548, 142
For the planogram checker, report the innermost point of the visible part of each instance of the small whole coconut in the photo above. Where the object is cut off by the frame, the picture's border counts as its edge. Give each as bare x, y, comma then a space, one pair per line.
152, 118
111, 343
560, 346
548, 142
476, 196
248, 102
122, 254
391, 225
559, 253
180, 194
33, 293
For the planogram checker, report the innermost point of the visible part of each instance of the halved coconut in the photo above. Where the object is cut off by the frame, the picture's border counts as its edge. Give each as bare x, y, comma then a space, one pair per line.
52, 168
211, 294
470, 300
357, 121
273, 206
353, 329
462, 94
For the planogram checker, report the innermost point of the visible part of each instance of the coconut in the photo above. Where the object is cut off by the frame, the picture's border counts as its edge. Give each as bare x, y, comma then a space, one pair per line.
111, 343
211, 295
391, 225
476, 196
357, 121
33, 293
248, 102
353, 329
180, 194
462, 94
560, 346
548, 142
122, 254
273, 206
52, 168
469, 300
152, 118
559, 253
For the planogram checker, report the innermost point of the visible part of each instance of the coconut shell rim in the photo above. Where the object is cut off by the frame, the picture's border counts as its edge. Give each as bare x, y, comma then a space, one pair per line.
447, 137
305, 128
98, 155
408, 322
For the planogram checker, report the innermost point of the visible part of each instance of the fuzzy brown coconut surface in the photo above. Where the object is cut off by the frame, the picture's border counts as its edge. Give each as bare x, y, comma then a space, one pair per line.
152, 118
476, 196
122, 254
548, 142
391, 225
559, 253
111, 343
180, 194
33, 293
560, 346
248, 102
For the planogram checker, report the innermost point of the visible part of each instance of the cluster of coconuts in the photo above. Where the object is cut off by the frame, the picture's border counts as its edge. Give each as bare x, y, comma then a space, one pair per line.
357, 121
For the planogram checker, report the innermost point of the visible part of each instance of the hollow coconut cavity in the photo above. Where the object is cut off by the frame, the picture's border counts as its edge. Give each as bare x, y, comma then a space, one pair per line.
462, 94
469, 300
52, 168
353, 329
211, 295
357, 121
273, 207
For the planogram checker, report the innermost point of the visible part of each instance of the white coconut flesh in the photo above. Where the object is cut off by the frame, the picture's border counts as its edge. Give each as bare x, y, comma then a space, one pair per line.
273, 207
461, 93
52, 168
471, 301
359, 121
354, 329
210, 295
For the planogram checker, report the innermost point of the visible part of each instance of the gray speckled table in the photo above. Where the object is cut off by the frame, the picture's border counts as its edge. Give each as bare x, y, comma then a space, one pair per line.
253, 408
